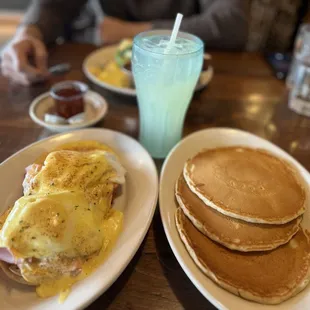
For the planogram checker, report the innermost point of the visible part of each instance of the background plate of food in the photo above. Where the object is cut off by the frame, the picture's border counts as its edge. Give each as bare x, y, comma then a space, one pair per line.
74, 209
110, 68
239, 255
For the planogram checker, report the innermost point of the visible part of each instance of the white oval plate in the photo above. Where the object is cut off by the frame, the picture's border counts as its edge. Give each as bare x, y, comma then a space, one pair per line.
96, 108
104, 54
212, 138
139, 205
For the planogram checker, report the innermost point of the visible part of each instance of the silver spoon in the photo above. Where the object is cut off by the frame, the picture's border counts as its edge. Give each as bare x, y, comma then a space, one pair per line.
59, 68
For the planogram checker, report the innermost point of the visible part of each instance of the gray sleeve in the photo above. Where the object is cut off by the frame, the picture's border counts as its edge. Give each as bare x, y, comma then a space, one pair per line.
221, 24
50, 16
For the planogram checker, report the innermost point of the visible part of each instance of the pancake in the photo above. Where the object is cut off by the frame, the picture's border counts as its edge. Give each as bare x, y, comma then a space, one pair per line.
247, 184
230, 232
268, 277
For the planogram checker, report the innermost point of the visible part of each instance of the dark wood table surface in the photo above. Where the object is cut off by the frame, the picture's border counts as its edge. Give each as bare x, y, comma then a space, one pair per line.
243, 94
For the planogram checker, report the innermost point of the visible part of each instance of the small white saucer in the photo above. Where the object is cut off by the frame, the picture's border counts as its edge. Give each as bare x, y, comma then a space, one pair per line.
96, 108
205, 78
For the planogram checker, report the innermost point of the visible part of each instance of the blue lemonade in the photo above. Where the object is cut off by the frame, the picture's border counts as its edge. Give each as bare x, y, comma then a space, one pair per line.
165, 80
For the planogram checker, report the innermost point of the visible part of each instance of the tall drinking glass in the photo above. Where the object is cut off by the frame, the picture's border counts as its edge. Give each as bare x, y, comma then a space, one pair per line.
165, 79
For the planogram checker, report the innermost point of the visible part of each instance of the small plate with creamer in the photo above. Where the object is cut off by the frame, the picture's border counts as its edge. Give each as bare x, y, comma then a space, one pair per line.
95, 109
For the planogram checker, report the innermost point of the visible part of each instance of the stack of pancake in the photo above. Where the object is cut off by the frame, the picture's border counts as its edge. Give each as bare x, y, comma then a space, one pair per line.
239, 218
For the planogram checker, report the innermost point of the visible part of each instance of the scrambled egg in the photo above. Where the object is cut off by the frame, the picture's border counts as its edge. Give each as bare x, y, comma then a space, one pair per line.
112, 74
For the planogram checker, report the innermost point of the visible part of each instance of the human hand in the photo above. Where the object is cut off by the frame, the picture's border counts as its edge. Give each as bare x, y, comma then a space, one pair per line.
113, 30
16, 58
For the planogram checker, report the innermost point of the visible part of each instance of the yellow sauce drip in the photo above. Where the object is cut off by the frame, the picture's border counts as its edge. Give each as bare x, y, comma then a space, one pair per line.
111, 229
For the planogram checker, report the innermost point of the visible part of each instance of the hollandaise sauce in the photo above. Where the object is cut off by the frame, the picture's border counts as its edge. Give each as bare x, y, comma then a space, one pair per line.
110, 229
63, 227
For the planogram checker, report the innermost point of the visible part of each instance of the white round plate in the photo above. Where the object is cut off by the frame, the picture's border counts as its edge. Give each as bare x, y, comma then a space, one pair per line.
96, 108
207, 139
138, 202
104, 54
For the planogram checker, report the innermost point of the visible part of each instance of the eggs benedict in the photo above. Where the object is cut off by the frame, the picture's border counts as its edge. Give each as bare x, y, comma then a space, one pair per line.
64, 226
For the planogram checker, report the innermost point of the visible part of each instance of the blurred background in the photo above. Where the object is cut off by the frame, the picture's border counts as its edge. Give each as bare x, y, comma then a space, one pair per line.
11, 12
273, 23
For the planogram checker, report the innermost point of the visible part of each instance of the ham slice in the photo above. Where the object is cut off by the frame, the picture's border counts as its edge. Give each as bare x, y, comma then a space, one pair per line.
31, 172
6, 256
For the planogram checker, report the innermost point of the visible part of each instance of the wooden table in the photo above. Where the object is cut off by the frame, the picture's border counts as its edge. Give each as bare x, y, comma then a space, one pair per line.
243, 94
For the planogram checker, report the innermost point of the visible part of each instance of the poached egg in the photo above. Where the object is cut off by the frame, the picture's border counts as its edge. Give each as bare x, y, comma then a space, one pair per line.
63, 227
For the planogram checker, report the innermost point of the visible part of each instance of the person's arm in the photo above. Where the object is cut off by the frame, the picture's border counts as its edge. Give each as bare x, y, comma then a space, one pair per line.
24, 58
221, 24
50, 16
113, 30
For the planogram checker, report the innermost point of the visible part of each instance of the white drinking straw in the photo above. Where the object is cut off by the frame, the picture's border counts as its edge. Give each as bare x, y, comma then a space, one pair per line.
175, 31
